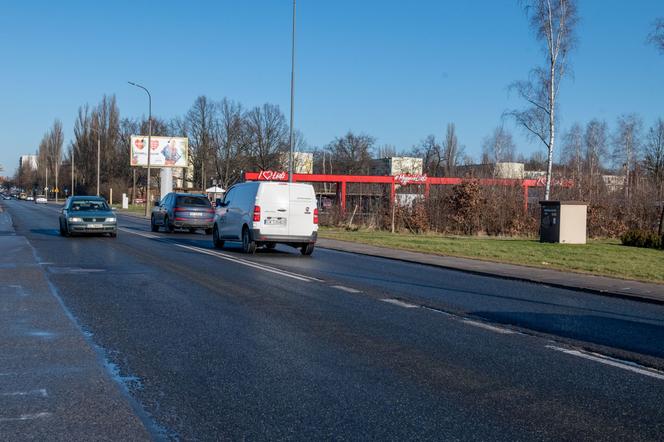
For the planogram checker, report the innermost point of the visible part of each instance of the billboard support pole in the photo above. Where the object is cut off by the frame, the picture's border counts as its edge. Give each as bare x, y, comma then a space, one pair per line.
292, 99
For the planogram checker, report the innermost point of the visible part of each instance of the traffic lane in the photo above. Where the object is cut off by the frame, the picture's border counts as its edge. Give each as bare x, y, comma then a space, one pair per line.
330, 338
634, 330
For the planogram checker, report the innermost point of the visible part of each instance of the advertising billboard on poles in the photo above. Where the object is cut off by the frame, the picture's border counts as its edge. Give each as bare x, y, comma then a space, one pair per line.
164, 152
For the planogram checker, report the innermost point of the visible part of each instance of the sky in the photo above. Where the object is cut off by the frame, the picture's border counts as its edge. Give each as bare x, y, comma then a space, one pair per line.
395, 70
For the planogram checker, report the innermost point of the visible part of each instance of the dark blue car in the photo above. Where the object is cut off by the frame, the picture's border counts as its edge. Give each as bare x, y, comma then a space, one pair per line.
183, 211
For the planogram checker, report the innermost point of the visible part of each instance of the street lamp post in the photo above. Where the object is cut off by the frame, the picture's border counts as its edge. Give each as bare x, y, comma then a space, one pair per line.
98, 159
292, 99
147, 197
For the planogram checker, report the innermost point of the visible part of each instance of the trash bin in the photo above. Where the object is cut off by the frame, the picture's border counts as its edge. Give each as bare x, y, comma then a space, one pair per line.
563, 222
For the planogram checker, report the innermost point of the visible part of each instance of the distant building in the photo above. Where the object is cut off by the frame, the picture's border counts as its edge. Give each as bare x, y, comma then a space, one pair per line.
303, 162
27, 162
503, 170
397, 166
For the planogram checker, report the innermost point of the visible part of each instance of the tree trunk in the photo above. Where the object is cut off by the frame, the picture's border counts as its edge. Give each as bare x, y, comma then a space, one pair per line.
552, 128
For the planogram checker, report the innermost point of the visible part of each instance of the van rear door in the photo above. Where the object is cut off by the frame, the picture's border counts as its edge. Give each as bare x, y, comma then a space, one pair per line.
302, 206
272, 199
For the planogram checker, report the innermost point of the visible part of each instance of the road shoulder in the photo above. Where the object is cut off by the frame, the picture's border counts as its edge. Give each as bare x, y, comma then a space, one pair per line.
636, 290
53, 382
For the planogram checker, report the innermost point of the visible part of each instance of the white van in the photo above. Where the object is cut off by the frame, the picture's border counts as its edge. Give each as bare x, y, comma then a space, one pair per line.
262, 214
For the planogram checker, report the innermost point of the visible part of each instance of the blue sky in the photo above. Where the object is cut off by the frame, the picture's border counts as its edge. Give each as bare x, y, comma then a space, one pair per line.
395, 70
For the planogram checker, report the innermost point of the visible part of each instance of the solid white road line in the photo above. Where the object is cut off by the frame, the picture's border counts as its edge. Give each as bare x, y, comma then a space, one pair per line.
492, 328
346, 289
399, 303
606, 360
39, 392
144, 235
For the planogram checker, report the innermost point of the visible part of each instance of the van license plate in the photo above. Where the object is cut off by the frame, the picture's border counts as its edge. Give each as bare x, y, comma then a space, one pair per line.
275, 221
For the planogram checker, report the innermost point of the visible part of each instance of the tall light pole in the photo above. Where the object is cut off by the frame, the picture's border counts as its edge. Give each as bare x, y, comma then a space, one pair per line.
98, 158
147, 198
292, 100
73, 149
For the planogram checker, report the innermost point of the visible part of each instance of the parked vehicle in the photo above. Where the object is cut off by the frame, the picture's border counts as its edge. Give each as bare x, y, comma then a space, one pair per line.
23, 196
262, 214
41, 199
30, 198
87, 214
183, 211
6, 197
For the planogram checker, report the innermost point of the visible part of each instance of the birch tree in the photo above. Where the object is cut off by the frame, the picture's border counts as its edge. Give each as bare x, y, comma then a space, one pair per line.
554, 23
499, 147
626, 146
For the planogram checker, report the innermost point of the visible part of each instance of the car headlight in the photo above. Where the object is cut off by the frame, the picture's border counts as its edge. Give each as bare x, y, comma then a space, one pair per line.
110, 220
75, 219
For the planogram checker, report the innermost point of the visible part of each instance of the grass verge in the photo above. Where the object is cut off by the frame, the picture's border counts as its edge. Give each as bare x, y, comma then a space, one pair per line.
598, 257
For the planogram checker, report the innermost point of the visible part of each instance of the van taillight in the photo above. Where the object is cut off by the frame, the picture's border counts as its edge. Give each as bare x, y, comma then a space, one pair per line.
257, 214
315, 216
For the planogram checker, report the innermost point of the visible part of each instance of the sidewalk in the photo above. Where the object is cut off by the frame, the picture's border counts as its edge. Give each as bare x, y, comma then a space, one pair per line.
53, 384
636, 290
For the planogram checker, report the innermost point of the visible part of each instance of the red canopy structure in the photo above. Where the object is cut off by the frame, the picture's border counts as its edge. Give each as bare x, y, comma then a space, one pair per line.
403, 180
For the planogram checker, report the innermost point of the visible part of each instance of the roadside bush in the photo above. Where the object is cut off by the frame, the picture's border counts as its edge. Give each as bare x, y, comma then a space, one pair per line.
642, 238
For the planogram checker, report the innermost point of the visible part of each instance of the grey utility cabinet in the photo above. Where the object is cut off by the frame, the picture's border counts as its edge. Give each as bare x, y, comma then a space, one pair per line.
563, 222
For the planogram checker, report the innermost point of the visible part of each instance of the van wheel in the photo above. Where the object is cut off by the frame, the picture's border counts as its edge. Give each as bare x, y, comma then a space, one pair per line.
248, 245
307, 249
218, 243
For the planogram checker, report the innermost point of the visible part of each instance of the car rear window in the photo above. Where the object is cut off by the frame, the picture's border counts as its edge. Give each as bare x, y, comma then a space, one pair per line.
192, 201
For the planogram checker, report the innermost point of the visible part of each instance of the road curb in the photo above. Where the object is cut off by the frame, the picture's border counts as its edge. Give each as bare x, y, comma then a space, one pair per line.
387, 253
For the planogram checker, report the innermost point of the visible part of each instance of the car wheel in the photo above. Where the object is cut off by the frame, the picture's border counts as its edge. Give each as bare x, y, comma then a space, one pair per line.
307, 249
62, 230
218, 242
114, 234
169, 227
153, 226
248, 245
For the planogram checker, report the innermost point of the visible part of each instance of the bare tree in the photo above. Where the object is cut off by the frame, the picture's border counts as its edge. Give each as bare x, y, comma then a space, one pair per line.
351, 154
656, 36
653, 162
627, 145
200, 122
268, 135
553, 22
499, 146
596, 142
572, 154
231, 141
386, 151
452, 151
430, 151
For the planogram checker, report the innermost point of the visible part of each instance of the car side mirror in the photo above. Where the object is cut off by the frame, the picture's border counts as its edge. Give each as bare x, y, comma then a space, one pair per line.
156, 203
218, 202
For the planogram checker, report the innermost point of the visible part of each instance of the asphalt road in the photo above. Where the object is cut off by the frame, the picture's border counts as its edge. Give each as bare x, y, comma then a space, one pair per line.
219, 345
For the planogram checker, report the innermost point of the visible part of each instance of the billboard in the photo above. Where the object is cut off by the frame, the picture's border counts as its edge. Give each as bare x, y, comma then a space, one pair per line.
164, 152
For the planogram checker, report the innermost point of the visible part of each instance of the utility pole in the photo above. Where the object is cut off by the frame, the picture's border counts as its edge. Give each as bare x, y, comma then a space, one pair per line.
72, 171
147, 185
292, 101
98, 159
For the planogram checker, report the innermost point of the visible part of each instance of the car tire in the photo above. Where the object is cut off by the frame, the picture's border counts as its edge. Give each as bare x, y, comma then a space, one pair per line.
307, 249
248, 245
153, 226
218, 242
169, 227
63, 232
114, 234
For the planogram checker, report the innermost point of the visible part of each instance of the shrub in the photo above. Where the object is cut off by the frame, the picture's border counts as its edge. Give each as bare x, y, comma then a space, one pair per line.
642, 238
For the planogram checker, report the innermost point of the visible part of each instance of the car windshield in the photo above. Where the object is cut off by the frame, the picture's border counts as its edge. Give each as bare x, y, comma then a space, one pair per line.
193, 201
88, 205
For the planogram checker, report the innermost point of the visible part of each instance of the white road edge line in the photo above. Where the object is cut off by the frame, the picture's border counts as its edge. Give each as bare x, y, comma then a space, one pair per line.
346, 289
489, 327
596, 357
399, 303
39, 392
144, 235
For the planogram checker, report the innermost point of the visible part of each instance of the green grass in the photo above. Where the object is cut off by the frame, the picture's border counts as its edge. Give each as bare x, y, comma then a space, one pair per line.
138, 209
598, 257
